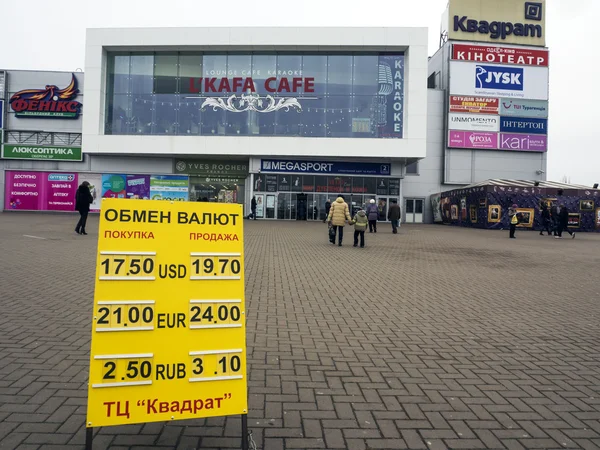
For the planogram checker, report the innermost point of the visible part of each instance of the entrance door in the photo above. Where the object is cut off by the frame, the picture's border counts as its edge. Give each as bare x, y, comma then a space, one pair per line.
414, 210
382, 208
301, 207
270, 207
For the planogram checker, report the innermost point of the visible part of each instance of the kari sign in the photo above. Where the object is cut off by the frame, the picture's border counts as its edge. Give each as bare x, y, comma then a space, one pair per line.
468, 139
472, 122
325, 167
500, 55
40, 191
523, 108
475, 105
523, 142
519, 125
527, 82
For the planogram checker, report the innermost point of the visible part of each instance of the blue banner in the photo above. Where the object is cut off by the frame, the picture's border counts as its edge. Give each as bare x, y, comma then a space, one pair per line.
526, 126
325, 167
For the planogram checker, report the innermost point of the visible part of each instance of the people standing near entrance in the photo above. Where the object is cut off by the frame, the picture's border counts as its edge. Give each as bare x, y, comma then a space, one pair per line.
360, 222
513, 217
338, 214
83, 200
253, 207
327, 208
372, 215
545, 213
394, 215
563, 223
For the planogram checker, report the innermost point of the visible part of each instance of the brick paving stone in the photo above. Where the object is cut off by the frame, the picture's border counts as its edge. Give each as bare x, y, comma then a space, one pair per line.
439, 355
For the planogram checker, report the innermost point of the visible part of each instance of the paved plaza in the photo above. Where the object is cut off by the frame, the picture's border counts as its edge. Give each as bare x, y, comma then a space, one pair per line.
434, 338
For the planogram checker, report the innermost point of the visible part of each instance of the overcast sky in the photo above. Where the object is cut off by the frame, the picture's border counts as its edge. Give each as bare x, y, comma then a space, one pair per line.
50, 35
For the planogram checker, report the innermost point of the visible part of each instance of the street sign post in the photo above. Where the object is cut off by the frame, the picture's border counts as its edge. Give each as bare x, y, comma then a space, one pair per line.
168, 330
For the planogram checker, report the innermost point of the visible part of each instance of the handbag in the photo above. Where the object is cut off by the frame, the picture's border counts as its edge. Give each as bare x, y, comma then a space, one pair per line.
331, 234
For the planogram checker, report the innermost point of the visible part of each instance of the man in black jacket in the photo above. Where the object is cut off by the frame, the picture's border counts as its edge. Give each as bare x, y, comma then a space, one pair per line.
563, 223
327, 208
253, 207
83, 200
545, 213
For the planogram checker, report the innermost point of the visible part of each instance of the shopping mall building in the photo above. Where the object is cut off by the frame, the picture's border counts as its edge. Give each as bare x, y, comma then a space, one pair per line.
292, 116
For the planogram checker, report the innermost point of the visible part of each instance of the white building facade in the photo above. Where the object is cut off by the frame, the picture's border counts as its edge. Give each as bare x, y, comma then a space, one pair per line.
293, 116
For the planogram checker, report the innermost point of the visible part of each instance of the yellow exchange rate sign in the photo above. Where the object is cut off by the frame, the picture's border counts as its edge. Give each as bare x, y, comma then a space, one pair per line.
168, 332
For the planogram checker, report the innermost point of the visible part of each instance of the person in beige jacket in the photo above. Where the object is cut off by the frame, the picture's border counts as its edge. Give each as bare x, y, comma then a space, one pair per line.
338, 215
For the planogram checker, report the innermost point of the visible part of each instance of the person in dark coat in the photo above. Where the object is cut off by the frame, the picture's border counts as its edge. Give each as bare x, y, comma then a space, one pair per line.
327, 208
394, 215
83, 200
563, 223
554, 219
253, 207
545, 213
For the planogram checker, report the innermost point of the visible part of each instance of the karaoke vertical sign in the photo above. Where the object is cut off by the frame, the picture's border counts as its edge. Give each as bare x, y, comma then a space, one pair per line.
391, 96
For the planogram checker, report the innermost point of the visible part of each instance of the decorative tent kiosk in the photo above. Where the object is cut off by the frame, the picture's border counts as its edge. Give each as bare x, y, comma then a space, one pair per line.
485, 204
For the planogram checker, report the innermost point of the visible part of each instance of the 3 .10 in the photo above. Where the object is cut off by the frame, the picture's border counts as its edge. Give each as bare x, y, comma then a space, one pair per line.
127, 266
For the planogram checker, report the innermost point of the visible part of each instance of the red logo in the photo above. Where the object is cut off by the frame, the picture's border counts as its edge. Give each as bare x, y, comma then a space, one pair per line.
48, 102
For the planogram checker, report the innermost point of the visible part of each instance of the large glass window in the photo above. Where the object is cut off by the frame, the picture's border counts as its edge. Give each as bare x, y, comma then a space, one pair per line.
255, 94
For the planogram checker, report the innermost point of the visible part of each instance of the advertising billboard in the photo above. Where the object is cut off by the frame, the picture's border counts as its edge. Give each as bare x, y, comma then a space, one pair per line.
469, 139
524, 82
473, 122
474, 105
523, 142
493, 54
523, 108
40, 191
520, 125
514, 22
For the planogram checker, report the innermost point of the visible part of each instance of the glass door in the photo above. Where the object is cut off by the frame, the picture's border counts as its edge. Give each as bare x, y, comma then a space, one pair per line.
414, 210
382, 208
270, 206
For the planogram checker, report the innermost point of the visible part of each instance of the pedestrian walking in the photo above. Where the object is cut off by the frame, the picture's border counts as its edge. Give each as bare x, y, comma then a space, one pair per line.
554, 218
327, 208
360, 222
513, 217
394, 215
83, 200
546, 220
372, 215
338, 214
563, 223
253, 207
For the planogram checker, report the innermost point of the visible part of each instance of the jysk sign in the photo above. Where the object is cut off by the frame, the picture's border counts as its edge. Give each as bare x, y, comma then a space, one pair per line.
519, 125
509, 21
10, 151
500, 55
325, 167
470, 78
50, 101
168, 328
523, 108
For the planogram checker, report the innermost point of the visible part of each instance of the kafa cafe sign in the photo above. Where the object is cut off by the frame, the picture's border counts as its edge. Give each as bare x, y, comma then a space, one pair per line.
292, 90
50, 101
